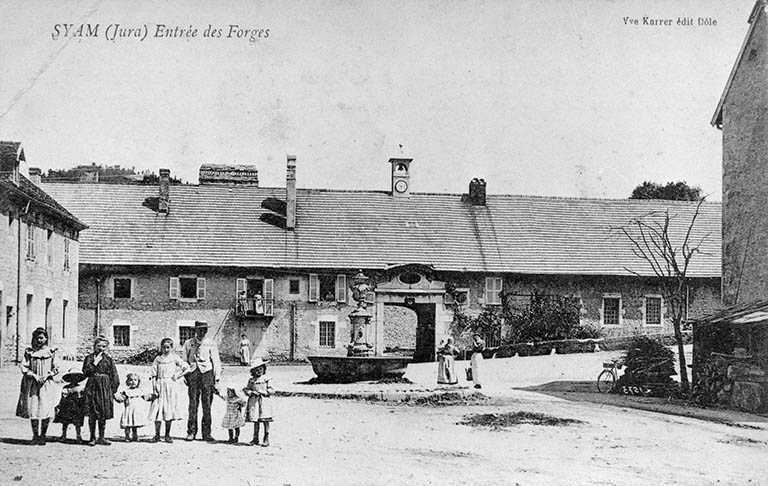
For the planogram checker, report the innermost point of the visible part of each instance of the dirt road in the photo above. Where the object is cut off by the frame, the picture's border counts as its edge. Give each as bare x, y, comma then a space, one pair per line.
354, 442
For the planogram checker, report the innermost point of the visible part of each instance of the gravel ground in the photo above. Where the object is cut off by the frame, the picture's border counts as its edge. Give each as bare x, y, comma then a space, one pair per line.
326, 441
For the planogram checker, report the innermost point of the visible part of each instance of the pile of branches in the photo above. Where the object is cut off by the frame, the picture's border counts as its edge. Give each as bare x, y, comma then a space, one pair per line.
648, 361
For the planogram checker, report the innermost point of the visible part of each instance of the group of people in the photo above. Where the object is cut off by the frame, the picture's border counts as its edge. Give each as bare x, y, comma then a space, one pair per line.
446, 356
93, 391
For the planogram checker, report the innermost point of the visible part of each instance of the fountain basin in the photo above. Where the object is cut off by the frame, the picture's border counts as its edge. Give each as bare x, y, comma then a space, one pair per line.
347, 369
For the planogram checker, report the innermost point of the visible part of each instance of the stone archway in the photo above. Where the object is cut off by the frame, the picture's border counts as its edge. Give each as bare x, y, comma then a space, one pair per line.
413, 287
422, 338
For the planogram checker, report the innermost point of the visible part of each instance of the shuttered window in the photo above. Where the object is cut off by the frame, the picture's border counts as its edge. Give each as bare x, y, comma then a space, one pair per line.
269, 297
341, 288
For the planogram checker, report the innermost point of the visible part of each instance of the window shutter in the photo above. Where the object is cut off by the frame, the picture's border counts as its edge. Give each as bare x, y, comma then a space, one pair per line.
173, 291
314, 287
200, 289
242, 286
341, 288
269, 297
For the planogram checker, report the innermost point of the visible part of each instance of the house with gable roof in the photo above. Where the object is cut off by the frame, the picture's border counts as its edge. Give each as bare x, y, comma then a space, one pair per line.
39, 264
740, 115
276, 263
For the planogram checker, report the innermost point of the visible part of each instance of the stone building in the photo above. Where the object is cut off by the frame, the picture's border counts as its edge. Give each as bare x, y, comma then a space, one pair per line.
730, 347
276, 263
741, 115
38, 261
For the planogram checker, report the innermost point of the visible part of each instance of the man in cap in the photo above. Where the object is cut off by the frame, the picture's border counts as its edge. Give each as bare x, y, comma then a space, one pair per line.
202, 354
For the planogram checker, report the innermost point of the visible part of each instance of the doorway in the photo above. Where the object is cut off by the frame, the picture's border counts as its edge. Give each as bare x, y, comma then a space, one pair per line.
423, 338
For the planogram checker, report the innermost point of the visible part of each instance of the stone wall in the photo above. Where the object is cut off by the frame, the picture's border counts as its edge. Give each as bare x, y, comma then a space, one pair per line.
294, 330
745, 156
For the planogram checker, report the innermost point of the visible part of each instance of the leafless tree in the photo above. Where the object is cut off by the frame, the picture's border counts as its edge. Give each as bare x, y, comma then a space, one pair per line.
657, 238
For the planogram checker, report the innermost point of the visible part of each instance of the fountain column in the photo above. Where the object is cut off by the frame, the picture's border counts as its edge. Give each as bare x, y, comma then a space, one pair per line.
360, 318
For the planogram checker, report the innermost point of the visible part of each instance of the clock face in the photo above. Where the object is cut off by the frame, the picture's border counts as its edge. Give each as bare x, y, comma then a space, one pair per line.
401, 186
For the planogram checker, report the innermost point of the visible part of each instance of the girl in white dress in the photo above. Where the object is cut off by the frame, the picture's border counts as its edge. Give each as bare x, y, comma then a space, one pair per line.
259, 408
166, 371
37, 398
133, 416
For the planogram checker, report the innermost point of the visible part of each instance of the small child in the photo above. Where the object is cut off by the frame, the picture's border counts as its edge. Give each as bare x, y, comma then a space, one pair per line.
133, 417
234, 417
259, 409
71, 408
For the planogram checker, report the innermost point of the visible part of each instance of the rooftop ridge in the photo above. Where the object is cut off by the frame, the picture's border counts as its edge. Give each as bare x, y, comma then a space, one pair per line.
215, 187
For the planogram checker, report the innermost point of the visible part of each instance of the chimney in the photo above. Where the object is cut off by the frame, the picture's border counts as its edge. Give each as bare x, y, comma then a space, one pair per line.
35, 175
163, 205
290, 193
11, 154
477, 192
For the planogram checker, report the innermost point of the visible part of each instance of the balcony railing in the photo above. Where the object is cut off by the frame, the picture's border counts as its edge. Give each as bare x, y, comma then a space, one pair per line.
253, 307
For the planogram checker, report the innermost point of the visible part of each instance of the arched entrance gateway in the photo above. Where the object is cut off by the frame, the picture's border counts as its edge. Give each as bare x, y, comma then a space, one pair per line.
411, 287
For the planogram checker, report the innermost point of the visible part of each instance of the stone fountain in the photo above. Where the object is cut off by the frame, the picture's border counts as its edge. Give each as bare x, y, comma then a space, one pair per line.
360, 363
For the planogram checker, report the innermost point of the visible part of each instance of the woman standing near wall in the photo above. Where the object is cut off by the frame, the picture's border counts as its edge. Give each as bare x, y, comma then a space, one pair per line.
245, 351
446, 354
478, 346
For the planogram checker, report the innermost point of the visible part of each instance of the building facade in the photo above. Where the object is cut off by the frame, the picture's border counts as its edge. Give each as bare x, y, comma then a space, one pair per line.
741, 115
276, 264
38, 263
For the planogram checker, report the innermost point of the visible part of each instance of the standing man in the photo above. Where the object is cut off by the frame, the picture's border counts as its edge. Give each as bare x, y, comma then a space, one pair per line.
202, 354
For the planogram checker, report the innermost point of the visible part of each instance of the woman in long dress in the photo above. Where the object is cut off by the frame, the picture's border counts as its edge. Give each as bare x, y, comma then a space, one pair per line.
103, 382
37, 398
446, 354
476, 362
245, 351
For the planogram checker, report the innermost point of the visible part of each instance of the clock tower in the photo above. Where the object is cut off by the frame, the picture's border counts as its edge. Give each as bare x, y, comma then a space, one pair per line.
401, 177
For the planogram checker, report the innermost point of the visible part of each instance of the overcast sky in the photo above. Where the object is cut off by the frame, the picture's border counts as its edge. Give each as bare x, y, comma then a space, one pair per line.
559, 98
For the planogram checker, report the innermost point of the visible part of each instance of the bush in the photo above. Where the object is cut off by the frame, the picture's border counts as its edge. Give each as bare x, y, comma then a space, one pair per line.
547, 318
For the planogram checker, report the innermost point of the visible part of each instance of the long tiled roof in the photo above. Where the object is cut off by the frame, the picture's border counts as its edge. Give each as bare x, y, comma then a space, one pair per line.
28, 191
222, 226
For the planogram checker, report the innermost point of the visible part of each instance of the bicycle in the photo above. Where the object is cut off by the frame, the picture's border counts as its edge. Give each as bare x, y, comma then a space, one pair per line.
606, 380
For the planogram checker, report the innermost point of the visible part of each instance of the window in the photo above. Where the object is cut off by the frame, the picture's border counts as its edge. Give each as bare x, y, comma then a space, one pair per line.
49, 249
66, 254
255, 296
121, 288
293, 286
8, 316
186, 331
121, 334
327, 288
493, 290
30, 242
327, 334
611, 311
64, 304
652, 311
187, 288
